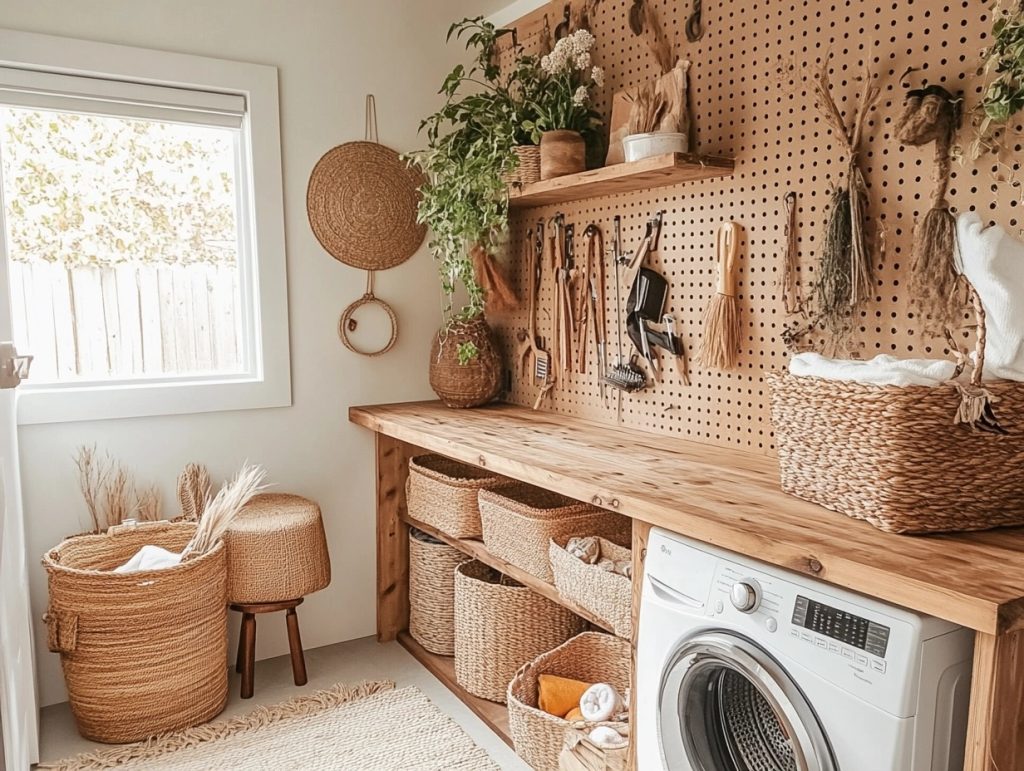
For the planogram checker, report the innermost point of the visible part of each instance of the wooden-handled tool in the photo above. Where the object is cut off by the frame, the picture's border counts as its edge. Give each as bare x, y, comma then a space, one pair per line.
721, 343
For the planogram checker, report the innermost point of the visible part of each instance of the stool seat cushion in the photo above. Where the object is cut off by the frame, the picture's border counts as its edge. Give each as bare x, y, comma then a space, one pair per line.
277, 550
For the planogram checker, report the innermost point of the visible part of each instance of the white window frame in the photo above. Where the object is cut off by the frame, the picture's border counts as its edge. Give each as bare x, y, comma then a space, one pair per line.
264, 295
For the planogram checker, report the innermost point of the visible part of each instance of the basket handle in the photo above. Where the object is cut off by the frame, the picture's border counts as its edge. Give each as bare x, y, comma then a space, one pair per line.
975, 408
61, 631
130, 525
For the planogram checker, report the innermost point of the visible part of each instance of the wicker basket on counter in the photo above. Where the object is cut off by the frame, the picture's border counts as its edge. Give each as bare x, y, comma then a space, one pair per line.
519, 521
499, 626
142, 652
591, 657
607, 595
432, 592
443, 493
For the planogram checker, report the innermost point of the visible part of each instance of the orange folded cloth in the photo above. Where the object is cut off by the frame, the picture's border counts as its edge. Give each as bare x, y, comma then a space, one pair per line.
574, 714
559, 695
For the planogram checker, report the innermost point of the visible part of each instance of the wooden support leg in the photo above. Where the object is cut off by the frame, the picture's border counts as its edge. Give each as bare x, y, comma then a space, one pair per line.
641, 531
295, 646
241, 635
995, 729
392, 538
247, 650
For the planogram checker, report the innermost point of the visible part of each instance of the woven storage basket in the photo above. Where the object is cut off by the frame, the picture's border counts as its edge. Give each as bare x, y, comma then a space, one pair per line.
581, 754
442, 493
143, 652
528, 170
499, 626
520, 520
432, 592
607, 595
591, 657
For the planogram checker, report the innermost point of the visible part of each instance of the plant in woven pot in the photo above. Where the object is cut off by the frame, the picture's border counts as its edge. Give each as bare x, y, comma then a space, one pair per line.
471, 149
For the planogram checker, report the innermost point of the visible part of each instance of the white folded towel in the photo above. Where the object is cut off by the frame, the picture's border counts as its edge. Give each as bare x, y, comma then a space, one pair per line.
993, 261
600, 702
150, 558
607, 738
881, 370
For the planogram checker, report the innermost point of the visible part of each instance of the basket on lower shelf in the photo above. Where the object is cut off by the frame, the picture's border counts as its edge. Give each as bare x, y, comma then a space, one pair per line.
142, 652
519, 521
432, 566
606, 594
442, 493
500, 625
592, 657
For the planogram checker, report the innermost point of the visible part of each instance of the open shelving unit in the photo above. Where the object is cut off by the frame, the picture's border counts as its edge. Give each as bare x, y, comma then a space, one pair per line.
646, 174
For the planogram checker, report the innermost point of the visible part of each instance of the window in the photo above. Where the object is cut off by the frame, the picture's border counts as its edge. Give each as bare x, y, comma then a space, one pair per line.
137, 276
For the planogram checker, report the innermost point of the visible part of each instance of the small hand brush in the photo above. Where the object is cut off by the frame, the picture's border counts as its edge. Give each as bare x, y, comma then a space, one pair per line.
721, 342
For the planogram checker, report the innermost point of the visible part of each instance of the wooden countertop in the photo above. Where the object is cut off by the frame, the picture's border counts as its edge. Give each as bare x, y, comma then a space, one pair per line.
727, 498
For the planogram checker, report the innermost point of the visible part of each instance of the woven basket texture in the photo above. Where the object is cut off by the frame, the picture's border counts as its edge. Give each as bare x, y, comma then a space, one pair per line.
607, 595
893, 457
443, 493
520, 520
471, 384
277, 550
528, 170
432, 592
143, 652
499, 626
592, 657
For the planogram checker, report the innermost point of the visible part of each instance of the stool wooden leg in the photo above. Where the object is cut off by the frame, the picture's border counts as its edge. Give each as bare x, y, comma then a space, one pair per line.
295, 645
241, 636
247, 653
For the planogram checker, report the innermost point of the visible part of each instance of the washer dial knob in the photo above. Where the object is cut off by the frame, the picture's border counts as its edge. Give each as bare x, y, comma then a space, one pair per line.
745, 596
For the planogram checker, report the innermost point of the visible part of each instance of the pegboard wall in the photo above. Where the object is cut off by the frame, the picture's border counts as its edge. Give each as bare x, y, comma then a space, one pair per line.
747, 104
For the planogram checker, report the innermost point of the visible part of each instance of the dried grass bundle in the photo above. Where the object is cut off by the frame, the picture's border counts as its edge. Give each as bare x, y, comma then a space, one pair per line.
110, 492
92, 476
193, 490
657, 42
118, 496
648, 107
219, 512
148, 504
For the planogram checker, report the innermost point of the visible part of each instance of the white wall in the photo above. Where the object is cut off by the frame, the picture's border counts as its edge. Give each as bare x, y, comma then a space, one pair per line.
330, 53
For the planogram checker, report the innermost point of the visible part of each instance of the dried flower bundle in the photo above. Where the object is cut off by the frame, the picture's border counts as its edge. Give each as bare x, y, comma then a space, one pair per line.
148, 504
648, 107
110, 492
92, 476
219, 512
657, 42
193, 490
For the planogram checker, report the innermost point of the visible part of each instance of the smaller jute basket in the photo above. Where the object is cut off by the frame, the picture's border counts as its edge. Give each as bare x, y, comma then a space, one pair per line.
607, 595
443, 493
143, 652
432, 592
592, 657
581, 754
499, 626
528, 170
520, 520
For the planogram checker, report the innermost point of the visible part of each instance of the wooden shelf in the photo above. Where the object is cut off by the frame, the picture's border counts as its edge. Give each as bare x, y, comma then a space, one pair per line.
724, 497
657, 171
443, 668
478, 551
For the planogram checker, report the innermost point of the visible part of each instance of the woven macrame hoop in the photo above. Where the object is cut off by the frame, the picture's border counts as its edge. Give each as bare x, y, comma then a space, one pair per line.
361, 202
348, 324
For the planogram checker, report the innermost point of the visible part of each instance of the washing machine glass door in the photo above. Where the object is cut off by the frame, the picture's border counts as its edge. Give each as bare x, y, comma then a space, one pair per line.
726, 705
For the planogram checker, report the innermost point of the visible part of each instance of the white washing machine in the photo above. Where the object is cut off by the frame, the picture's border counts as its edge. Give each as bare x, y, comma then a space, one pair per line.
743, 666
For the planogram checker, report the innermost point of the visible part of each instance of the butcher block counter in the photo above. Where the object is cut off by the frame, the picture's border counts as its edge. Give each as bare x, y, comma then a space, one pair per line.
730, 499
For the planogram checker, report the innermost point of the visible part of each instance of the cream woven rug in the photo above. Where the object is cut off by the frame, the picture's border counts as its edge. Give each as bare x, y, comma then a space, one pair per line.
368, 727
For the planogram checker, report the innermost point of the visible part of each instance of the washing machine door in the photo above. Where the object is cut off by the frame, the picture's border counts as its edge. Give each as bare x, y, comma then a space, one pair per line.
726, 705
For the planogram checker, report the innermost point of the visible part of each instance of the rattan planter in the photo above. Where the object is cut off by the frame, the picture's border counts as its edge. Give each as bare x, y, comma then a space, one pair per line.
528, 170
499, 626
443, 493
143, 652
591, 657
520, 520
607, 595
432, 592
892, 456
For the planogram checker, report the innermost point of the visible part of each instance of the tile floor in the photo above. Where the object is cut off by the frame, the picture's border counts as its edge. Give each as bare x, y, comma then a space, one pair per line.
345, 662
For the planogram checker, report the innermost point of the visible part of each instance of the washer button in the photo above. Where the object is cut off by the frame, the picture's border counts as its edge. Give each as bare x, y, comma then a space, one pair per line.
833, 647
878, 666
719, 606
771, 624
794, 633
806, 637
821, 642
862, 660
847, 653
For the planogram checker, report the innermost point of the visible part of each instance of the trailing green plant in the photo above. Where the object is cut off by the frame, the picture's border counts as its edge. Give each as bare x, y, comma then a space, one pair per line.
1004, 66
470, 141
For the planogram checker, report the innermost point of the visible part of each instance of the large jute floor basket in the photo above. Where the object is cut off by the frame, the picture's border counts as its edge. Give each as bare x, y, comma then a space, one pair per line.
142, 652
607, 595
520, 520
442, 493
432, 592
591, 657
893, 456
499, 626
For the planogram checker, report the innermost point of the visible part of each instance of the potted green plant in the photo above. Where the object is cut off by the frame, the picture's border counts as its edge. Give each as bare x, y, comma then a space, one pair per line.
565, 121
470, 151
1004, 93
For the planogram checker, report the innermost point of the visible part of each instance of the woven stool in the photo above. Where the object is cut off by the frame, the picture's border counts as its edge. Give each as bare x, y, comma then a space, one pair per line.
277, 554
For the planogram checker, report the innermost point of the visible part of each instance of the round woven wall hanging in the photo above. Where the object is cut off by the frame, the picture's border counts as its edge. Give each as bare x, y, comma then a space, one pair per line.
362, 201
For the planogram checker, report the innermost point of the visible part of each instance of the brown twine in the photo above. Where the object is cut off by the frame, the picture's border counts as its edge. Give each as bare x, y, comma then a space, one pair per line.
348, 324
791, 296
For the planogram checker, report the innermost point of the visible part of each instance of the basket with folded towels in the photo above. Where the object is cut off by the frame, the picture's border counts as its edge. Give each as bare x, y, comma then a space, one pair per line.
581, 688
596, 573
919, 445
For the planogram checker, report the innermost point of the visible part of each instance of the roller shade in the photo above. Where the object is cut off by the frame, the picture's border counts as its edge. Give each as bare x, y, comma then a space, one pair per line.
99, 96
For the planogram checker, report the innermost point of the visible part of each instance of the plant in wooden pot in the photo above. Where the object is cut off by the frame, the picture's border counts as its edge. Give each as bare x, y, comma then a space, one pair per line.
471, 150
566, 123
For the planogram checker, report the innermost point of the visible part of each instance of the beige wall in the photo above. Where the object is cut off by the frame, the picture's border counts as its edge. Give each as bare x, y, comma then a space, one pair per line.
330, 53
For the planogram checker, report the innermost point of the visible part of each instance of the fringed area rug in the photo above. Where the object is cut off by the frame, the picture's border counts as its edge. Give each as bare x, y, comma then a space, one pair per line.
367, 727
